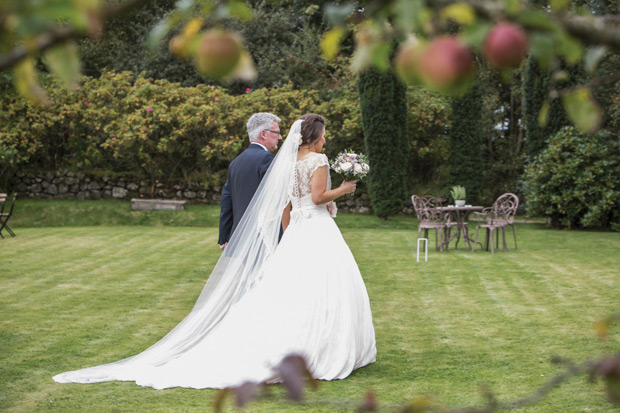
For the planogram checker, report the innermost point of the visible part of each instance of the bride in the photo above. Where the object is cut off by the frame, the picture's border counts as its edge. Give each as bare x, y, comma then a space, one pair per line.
265, 300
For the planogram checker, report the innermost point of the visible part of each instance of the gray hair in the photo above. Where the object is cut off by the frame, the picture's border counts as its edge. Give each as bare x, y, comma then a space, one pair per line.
258, 122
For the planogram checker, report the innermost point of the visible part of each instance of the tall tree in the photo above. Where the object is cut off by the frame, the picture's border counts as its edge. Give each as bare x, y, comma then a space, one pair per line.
282, 40
383, 104
466, 143
537, 87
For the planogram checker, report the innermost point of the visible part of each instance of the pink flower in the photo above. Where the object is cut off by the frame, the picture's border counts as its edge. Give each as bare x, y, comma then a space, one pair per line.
86, 105
439, 121
73, 116
145, 131
215, 100
113, 139
149, 110
247, 90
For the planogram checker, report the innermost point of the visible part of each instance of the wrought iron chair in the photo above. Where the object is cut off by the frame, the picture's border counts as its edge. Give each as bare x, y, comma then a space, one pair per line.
498, 217
5, 216
430, 218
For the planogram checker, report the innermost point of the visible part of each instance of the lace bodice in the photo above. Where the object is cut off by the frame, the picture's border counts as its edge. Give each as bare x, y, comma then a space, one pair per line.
304, 169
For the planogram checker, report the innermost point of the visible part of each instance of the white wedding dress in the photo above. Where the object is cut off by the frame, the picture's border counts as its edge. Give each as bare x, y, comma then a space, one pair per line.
309, 298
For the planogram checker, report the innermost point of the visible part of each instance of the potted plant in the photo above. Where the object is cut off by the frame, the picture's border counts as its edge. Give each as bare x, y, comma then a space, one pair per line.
458, 194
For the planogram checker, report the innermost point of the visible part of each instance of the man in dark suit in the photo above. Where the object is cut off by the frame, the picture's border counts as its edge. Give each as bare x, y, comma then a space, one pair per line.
246, 172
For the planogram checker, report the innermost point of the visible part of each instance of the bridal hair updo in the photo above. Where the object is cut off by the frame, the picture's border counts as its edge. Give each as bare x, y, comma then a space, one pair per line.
311, 128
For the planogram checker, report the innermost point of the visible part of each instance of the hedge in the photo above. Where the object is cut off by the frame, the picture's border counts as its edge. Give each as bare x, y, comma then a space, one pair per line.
163, 131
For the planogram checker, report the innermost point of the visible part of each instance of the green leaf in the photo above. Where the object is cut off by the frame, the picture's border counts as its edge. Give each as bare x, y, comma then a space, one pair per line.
512, 7
312, 9
541, 48
336, 14
593, 57
535, 19
407, 15
330, 43
559, 5
543, 115
26, 82
381, 56
207, 8
462, 13
64, 62
569, 48
240, 10
583, 110
474, 35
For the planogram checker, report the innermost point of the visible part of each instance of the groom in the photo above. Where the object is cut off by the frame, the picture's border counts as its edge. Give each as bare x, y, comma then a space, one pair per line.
247, 170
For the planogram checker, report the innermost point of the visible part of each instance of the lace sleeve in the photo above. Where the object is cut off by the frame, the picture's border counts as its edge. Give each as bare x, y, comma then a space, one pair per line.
318, 161
321, 160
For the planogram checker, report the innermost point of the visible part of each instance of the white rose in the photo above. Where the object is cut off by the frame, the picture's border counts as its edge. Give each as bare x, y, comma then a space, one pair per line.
357, 168
346, 166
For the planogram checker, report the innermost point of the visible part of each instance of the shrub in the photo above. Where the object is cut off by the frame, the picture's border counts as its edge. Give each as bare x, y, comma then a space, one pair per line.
576, 180
158, 130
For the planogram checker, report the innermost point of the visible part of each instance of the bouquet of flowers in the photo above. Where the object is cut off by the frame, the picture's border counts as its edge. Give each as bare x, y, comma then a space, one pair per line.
354, 166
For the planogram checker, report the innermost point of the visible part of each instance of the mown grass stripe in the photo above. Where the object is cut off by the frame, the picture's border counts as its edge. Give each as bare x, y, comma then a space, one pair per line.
77, 296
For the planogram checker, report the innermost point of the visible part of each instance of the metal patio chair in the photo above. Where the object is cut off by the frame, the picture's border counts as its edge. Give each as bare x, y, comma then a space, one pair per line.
498, 217
5, 216
430, 218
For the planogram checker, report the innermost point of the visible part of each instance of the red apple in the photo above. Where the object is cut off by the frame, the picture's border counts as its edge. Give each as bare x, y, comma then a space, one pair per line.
218, 54
505, 45
446, 64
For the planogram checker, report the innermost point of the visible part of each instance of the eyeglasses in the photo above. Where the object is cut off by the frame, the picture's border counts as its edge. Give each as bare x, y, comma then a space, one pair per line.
277, 132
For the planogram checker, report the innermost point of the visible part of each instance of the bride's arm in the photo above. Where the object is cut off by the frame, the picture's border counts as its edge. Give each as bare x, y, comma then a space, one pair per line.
320, 194
286, 216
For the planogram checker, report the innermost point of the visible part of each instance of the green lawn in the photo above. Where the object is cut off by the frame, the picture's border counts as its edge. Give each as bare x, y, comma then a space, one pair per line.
75, 296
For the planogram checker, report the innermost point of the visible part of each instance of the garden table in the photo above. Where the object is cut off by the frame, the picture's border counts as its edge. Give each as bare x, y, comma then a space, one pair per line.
459, 216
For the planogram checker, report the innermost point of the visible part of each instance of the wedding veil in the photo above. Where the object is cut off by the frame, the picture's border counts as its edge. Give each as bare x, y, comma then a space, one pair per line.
239, 268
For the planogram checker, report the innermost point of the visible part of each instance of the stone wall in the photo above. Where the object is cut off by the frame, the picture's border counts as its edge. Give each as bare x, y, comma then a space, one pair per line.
78, 185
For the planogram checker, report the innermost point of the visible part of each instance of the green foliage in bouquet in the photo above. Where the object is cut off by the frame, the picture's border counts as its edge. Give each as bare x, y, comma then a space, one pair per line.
575, 181
351, 165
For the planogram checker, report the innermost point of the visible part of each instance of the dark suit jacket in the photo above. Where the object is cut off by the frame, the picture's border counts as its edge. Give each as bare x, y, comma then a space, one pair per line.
244, 175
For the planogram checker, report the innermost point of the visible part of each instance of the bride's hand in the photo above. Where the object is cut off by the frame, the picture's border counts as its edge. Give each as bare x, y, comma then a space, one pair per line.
348, 187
